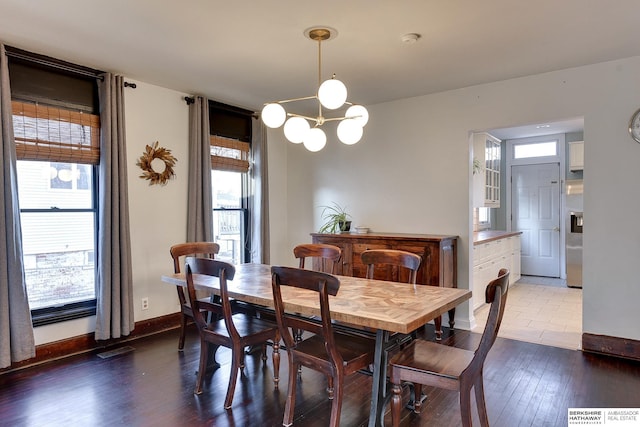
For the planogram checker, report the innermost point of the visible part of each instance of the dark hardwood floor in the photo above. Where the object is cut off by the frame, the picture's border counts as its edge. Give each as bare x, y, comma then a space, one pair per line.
152, 385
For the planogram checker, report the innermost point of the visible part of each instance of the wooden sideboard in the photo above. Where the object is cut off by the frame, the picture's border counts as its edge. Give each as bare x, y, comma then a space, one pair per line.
438, 252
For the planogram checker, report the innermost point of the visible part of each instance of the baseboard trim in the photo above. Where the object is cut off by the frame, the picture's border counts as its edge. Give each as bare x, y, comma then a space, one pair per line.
591, 343
87, 343
611, 346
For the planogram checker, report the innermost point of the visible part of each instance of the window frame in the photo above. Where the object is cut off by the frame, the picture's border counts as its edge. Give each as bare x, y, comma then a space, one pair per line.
234, 123
245, 234
73, 87
484, 225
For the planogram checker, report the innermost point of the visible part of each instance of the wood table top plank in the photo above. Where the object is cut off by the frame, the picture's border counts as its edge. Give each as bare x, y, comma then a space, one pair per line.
377, 304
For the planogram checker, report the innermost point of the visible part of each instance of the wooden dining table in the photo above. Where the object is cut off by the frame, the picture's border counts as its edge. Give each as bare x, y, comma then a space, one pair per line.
383, 307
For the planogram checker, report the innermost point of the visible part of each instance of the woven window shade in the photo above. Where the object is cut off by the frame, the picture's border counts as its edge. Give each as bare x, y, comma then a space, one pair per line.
229, 154
50, 133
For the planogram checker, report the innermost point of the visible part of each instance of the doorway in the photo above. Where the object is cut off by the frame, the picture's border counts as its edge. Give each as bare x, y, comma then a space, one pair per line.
541, 308
535, 167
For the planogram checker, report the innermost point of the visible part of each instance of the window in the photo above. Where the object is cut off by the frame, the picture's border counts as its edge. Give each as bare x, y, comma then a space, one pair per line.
58, 219
57, 134
483, 217
229, 214
537, 149
230, 130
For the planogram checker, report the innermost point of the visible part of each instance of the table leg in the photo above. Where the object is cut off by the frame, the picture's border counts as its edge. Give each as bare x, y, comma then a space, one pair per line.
438, 327
379, 380
452, 316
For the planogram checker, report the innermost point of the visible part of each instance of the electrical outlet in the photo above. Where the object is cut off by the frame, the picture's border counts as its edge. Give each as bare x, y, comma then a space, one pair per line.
145, 303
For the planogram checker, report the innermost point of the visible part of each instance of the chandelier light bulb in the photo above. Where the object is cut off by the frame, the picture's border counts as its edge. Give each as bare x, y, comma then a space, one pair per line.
332, 94
358, 113
315, 140
349, 131
296, 129
273, 115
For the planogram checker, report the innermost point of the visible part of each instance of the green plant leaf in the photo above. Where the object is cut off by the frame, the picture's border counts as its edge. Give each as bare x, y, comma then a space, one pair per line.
333, 215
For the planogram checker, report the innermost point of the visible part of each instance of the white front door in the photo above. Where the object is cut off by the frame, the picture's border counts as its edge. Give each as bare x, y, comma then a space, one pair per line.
535, 208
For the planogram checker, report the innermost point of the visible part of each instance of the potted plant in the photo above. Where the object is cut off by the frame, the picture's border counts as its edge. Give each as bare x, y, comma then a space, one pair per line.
336, 219
477, 165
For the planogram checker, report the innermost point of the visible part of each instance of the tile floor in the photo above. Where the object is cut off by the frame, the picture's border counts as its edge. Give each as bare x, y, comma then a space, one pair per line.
542, 311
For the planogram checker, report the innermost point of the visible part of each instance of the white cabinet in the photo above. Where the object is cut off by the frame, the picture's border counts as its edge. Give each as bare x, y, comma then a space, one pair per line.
515, 253
576, 156
486, 177
488, 258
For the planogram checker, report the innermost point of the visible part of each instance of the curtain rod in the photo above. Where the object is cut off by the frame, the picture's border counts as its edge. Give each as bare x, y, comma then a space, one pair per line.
191, 99
53, 64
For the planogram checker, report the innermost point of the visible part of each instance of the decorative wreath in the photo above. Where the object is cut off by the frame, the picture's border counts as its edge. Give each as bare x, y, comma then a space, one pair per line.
151, 153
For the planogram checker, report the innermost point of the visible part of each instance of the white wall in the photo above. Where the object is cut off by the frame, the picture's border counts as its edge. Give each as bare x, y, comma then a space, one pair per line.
157, 213
411, 173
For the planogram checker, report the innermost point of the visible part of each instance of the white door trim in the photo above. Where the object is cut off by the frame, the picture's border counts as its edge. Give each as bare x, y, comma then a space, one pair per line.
559, 158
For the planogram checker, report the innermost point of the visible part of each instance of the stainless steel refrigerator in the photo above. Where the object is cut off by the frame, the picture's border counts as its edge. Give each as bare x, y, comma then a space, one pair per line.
574, 224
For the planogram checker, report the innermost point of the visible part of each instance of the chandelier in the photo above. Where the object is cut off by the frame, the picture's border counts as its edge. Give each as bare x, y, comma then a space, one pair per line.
332, 95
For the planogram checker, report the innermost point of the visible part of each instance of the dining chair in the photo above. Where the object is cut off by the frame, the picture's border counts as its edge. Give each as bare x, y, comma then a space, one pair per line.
376, 258
234, 331
327, 255
334, 354
441, 366
397, 258
205, 249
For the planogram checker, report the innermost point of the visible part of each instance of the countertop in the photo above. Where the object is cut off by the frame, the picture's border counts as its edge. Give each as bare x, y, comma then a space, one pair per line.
485, 236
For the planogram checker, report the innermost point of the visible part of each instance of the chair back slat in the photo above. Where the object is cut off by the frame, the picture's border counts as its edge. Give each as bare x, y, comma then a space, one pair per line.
328, 255
203, 249
408, 260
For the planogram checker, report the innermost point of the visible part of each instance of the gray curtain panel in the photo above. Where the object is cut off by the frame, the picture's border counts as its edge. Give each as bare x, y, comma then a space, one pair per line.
114, 313
16, 330
260, 194
199, 198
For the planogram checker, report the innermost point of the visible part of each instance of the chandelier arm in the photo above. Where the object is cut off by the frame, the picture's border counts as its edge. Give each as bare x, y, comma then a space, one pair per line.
304, 98
335, 119
313, 119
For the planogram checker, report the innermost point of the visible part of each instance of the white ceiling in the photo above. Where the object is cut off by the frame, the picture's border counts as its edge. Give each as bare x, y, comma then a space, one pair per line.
246, 53
538, 129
